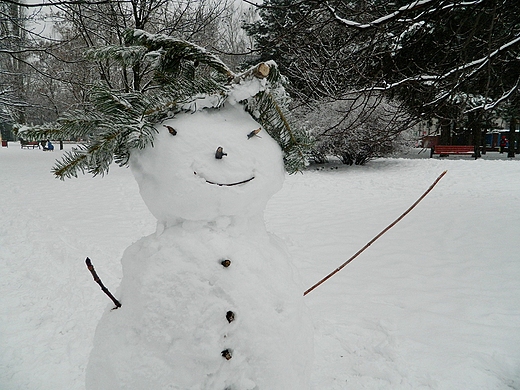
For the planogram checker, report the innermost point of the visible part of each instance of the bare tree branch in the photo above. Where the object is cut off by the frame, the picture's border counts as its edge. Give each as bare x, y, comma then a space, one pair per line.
51, 3
399, 13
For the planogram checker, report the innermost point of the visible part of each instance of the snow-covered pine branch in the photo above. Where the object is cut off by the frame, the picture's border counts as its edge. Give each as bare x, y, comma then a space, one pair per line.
461, 73
186, 77
384, 19
401, 12
270, 108
491, 105
479, 62
172, 51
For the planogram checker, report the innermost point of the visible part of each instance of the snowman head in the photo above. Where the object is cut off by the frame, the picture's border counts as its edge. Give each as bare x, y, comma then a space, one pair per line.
207, 164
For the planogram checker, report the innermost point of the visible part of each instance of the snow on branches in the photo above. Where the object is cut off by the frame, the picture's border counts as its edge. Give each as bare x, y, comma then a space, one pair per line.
185, 77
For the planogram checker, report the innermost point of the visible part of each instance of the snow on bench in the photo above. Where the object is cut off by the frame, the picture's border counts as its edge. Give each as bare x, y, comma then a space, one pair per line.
31, 144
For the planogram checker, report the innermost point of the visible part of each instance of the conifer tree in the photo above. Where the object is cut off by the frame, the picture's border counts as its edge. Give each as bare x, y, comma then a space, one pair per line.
435, 57
113, 123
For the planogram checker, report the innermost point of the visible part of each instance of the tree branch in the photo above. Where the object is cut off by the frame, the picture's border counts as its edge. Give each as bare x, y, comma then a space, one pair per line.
377, 237
384, 19
51, 3
413, 6
98, 281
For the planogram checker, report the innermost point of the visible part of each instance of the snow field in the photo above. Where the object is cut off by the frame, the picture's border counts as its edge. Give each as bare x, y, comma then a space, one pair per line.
433, 304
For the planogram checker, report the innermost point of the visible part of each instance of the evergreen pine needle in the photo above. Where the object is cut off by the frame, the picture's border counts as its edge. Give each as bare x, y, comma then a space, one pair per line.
113, 123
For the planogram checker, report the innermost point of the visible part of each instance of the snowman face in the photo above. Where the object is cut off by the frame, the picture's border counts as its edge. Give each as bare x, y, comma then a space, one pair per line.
208, 164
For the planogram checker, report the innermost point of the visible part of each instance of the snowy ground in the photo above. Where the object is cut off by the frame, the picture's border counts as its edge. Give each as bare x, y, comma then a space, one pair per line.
433, 304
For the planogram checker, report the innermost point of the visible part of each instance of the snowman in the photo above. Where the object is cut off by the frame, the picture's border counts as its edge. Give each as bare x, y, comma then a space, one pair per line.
210, 300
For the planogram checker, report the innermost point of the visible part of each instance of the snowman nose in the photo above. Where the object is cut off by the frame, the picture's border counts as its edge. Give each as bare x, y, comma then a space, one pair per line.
220, 153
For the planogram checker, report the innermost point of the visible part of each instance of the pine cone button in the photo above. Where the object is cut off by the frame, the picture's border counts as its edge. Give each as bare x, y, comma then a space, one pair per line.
226, 354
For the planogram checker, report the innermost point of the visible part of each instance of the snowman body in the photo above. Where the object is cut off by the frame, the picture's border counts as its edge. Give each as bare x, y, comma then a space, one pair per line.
210, 300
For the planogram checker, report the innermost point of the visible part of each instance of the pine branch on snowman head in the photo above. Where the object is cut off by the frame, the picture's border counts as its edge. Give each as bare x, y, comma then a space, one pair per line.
185, 77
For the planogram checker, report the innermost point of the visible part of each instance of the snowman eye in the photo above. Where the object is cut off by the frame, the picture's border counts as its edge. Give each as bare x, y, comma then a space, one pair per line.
171, 130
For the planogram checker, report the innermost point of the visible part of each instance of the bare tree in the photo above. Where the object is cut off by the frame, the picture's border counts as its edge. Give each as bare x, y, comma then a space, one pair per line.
355, 129
41, 74
14, 49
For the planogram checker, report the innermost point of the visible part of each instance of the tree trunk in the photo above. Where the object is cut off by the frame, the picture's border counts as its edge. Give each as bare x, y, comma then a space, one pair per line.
477, 134
483, 141
445, 132
16, 40
512, 137
517, 138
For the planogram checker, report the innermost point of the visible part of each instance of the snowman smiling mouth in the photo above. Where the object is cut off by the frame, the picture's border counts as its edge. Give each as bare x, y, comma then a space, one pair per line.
218, 155
226, 184
230, 184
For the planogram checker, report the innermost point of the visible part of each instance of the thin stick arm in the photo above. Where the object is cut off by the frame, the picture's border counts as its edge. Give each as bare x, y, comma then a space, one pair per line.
377, 237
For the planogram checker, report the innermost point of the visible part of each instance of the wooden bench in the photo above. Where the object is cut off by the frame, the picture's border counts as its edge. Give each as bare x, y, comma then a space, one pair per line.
446, 150
31, 144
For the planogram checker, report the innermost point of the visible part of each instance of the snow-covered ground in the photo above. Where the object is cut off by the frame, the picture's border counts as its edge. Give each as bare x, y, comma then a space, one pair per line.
433, 304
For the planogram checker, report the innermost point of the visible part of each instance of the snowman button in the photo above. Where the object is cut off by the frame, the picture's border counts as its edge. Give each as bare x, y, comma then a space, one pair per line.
226, 354
230, 316
225, 263
220, 153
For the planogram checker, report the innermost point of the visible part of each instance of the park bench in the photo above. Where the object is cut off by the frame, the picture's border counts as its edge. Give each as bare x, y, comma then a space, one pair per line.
31, 144
446, 150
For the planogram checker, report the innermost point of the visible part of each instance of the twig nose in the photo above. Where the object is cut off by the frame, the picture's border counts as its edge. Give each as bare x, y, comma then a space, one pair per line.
220, 153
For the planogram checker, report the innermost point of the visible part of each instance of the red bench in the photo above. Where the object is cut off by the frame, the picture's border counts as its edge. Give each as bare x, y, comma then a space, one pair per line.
446, 150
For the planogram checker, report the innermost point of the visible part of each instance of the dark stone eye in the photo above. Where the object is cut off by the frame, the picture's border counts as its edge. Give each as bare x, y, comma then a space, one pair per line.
220, 153
171, 130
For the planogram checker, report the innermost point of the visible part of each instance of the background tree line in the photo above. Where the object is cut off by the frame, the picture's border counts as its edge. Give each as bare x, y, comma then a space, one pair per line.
453, 63
375, 68
43, 73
